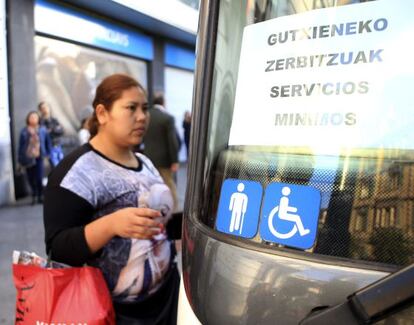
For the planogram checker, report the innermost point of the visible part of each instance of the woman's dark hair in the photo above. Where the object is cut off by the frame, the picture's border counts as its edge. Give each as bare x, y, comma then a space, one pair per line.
108, 91
30, 113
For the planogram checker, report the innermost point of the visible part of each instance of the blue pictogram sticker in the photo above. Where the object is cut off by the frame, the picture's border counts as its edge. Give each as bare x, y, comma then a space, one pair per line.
290, 215
239, 207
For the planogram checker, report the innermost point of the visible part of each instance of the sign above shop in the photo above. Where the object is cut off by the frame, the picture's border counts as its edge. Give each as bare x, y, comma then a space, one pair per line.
339, 77
179, 57
62, 22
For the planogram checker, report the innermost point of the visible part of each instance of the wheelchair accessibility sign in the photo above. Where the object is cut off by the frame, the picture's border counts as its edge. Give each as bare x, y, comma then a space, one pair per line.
239, 207
290, 215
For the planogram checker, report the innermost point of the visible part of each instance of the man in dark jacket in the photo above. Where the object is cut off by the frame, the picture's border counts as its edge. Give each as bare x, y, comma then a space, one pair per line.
55, 131
161, 145
51, 124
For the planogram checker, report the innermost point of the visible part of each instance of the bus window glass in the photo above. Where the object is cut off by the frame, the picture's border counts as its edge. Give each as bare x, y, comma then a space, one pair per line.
314, 95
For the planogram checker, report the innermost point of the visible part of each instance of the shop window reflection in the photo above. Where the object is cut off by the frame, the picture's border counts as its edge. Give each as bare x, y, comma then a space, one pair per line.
67, 76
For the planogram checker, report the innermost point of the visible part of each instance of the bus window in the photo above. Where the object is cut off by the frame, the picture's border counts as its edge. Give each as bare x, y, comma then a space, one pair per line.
301, 175
316, 94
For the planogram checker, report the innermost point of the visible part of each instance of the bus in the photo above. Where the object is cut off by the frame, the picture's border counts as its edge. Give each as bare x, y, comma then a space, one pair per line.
300, 193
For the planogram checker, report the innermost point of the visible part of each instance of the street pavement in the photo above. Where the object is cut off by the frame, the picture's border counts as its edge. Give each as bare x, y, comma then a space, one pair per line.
22, 229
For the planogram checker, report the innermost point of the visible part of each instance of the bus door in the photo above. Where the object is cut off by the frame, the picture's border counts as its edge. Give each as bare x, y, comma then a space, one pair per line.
301, 176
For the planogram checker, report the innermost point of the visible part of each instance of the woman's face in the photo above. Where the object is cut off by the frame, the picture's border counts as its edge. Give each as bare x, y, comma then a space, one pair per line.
127, 121
33, 120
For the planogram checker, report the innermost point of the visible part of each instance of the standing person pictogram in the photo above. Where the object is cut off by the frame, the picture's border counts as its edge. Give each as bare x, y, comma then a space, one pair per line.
239, 207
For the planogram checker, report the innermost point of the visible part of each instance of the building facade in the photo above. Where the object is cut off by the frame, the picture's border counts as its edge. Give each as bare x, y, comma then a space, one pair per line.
58, 51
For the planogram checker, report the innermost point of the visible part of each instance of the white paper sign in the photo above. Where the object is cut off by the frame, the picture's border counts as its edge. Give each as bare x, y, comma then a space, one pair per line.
335, 77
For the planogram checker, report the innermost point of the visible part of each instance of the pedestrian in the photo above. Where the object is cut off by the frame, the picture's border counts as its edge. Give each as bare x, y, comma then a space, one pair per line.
51, 124
107, 206
161, 144
187, 128
34, 146
83, 133
55, 130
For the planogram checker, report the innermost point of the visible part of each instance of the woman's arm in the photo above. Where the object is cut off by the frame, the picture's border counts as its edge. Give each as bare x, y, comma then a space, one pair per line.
135, 223
21, 152
73, 237
65, 215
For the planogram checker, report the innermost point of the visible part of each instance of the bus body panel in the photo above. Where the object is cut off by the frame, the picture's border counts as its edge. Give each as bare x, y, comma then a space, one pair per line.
226, 284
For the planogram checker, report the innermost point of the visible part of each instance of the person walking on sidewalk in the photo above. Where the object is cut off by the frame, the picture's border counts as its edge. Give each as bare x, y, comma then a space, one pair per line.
52, 125
34, 146
161, 144
55, 130
107, 206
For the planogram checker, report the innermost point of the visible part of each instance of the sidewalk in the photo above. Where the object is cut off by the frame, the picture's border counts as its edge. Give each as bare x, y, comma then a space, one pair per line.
22, 229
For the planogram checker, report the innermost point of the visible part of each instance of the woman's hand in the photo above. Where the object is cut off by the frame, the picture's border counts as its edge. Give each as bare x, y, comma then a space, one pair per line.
136, 223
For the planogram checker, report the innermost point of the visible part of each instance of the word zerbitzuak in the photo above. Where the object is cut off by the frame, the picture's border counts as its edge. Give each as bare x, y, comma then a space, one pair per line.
324, 60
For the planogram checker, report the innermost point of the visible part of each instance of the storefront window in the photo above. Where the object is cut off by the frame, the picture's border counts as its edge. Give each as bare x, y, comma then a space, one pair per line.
178, 96
67, 76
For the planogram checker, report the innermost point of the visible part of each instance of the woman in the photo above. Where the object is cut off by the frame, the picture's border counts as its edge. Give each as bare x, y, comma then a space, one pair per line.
34, 145
108, 206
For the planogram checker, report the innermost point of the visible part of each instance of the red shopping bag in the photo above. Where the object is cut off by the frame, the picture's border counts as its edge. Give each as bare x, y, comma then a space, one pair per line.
75, 295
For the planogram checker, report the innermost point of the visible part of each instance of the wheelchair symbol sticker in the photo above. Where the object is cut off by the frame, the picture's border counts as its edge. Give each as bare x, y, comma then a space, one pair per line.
239, 207
290, 215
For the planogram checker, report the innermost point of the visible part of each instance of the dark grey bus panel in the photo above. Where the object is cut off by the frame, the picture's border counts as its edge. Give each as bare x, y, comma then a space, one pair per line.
390, 295
300, 116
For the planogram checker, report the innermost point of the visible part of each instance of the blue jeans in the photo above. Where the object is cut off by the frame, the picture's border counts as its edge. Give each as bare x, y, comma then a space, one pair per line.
35, 177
